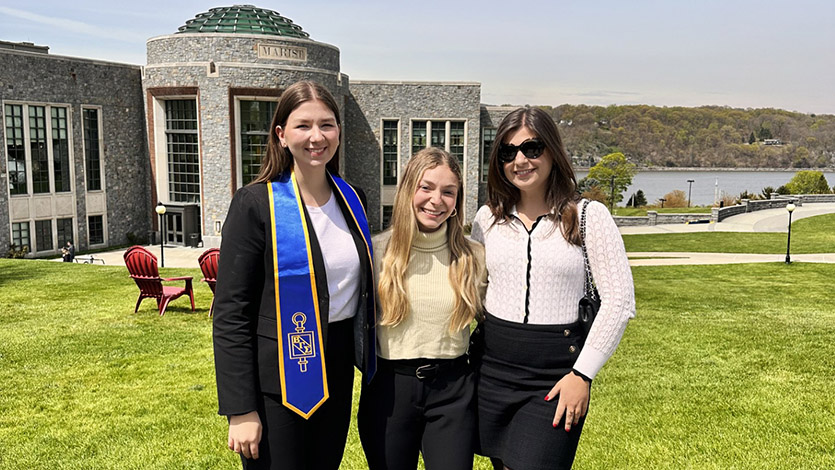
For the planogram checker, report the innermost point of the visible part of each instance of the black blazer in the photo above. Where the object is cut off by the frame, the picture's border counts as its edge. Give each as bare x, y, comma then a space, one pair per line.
245, 330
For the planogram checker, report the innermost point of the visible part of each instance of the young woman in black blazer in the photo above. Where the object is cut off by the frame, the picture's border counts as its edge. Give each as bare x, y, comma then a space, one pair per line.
294, 308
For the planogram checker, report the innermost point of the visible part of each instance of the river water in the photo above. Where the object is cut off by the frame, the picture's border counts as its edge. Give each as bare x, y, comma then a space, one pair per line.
706, 184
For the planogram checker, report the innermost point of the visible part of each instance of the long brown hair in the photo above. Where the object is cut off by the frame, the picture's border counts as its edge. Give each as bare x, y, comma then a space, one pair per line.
278, 159
464, 268
561, 193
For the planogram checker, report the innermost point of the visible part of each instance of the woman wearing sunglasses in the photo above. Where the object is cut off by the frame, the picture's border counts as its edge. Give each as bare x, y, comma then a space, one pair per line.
537, 364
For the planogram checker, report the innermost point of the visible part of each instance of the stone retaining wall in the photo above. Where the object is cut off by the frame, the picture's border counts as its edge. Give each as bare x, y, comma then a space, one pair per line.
719, 214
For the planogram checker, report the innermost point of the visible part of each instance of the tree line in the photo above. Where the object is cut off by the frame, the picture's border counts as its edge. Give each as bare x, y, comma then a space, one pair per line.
704, 137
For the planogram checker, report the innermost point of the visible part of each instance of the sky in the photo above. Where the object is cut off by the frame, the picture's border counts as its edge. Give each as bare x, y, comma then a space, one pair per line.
736, 53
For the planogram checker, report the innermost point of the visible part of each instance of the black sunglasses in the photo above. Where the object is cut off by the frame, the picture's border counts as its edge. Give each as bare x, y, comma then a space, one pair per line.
531, 148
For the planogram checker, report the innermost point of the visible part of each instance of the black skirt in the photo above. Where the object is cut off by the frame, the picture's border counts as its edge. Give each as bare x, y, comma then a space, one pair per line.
519, 366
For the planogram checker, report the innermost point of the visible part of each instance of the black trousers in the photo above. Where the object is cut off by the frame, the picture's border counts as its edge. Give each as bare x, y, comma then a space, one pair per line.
290, 442
401, 415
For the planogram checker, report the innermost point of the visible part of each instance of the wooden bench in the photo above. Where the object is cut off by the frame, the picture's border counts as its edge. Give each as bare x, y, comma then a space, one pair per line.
87, 259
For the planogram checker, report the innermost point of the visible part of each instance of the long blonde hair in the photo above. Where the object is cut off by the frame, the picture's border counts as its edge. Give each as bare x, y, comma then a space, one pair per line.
464, 269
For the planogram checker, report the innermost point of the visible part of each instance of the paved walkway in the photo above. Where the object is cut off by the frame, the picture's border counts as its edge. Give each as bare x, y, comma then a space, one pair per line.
771, 220
175, 256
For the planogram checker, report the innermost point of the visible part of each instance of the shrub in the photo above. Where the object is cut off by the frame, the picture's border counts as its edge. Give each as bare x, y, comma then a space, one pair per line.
16, 252
677, 198
808, 182
594, 193
135, 239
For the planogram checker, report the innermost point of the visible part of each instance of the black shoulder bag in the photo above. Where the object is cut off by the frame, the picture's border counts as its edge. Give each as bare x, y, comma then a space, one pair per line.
590, 303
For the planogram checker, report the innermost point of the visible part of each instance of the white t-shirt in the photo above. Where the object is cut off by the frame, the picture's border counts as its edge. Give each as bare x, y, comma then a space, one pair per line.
342, 263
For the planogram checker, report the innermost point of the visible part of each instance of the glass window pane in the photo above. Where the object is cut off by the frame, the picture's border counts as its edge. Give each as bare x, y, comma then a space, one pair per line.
456, 141
182, 150
20, 235
439, 134
60, 150
387, 212
92, 149
96, 229
418, 136
256, 117
15, 149
487, 139
64, 231
38, 150
390, 148
43, 235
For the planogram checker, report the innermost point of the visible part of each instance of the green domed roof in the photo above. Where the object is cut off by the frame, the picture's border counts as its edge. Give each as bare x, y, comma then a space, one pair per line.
243, 19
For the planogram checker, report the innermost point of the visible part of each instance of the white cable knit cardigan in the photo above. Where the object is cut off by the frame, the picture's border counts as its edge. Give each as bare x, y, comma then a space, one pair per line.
556, 277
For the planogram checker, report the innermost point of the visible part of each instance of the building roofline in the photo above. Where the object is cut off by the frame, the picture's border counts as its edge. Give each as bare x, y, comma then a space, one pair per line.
263, 37
410, 82
490, 107
41, 55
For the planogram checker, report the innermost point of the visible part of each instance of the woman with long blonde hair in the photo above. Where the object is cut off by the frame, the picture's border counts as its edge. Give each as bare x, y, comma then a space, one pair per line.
430, 285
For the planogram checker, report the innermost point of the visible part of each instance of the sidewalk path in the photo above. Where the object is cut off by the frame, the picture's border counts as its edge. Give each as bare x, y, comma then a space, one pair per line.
769, 220
175, 256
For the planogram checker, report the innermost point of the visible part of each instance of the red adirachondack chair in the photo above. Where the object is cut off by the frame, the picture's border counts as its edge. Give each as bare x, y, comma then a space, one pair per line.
142, 266
208, 264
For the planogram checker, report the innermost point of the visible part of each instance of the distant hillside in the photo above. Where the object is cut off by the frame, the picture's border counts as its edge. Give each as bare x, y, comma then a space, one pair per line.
708, 137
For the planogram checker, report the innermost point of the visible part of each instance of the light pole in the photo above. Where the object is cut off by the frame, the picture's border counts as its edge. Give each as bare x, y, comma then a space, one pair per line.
160, 209
612, 200
689, 191
789, 207
662, 201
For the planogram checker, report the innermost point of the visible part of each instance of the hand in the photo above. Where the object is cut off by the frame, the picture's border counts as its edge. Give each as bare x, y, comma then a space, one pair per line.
245, 434
574, 399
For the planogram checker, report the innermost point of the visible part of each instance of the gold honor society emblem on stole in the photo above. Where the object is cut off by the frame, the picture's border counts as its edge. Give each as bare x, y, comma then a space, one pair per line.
301, 342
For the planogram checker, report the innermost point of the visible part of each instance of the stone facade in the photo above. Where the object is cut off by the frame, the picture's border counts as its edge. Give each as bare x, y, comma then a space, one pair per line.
217, 70
491, 116
40, 79
371, 102
212, 67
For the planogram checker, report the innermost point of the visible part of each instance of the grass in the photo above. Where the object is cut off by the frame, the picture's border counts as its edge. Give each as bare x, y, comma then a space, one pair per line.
735, 375
642, 211
809, 235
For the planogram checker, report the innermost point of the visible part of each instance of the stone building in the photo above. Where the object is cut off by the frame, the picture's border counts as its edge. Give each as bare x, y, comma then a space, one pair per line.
90, 147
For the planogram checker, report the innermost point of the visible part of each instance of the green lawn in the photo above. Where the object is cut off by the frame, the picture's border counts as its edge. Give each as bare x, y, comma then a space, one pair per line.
809, 235
724, 367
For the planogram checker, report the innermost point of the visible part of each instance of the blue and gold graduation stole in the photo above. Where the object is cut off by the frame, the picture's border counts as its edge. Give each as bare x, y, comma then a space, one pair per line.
301, 360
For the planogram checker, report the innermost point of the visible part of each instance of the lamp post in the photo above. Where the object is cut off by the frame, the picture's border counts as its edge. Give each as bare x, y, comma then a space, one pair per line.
662, 201
689, 191
612, 200
789, 207
160, 209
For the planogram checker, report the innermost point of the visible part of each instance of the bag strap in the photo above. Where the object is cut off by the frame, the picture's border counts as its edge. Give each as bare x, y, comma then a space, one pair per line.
588, 283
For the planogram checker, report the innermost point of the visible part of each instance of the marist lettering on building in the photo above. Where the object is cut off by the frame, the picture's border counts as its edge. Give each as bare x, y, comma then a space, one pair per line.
269, 51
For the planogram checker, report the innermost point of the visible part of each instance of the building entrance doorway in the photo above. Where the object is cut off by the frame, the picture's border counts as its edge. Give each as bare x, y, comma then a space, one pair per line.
174, 228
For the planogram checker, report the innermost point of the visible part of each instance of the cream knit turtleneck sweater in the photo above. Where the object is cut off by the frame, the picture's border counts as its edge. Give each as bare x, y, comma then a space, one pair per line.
425, 331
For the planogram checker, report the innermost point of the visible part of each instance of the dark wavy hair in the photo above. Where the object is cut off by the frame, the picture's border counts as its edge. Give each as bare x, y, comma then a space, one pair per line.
561, 193
278, 159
